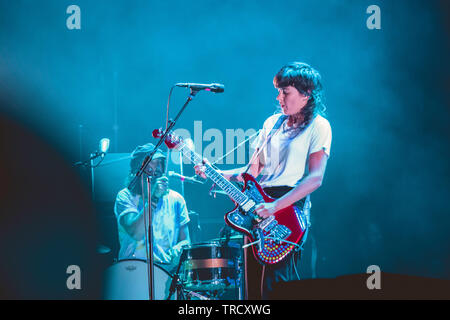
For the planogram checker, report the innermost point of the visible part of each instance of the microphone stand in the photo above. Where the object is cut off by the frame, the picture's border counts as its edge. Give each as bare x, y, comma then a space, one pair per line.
163, 137
133, 182
92, 157
89, 163
175, 285
149, 240
181, 172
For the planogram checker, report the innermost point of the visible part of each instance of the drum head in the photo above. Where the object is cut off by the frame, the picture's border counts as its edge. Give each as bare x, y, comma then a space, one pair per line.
128, 280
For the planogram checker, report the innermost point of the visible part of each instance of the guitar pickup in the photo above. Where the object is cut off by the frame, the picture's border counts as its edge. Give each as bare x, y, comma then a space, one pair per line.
247, 205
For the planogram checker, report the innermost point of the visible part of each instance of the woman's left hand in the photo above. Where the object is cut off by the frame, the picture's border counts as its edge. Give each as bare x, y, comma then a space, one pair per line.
265, 210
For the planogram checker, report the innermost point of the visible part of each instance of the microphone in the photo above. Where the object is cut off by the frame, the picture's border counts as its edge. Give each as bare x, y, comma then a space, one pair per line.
184, 178
214, 87
104, 145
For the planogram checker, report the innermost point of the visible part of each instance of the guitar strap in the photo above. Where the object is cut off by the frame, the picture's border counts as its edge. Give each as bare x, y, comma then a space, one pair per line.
275, 128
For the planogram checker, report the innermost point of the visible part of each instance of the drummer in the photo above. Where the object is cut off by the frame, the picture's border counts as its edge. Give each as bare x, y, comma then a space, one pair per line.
169, 213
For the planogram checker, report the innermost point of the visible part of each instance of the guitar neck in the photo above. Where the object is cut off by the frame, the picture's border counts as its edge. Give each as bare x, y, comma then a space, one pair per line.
215, 176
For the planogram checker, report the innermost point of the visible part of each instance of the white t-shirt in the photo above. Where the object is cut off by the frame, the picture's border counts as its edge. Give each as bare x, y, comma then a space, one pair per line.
285, 156
170, 214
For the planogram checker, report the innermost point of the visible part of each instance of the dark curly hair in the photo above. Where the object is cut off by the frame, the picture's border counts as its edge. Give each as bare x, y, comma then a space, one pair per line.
307, 81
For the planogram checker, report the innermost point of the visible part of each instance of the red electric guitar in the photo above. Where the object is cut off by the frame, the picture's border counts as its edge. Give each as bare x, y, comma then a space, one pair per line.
274, 237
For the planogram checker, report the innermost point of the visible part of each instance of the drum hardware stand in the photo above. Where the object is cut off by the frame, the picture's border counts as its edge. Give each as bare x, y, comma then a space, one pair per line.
197, 295
176, 285
225, 231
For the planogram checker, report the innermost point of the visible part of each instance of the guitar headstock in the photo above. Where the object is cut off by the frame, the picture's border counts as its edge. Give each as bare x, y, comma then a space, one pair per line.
172, 141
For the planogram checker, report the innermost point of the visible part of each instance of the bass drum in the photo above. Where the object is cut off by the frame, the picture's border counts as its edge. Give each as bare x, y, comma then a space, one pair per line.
127, 280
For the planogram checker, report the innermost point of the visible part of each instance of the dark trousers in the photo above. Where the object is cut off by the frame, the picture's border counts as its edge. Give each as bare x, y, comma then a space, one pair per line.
261, 279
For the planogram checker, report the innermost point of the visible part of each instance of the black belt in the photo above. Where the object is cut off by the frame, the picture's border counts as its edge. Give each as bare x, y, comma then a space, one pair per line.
279, 191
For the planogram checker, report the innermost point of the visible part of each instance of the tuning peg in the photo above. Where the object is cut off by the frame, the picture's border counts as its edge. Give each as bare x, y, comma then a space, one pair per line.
157, 133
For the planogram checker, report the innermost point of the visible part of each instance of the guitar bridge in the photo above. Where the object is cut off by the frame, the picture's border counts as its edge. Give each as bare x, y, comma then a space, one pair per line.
280, 232
273, 229
266, 222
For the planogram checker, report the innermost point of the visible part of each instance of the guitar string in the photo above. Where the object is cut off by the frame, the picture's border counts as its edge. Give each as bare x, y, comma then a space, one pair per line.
193, 158
224, 184
235, 148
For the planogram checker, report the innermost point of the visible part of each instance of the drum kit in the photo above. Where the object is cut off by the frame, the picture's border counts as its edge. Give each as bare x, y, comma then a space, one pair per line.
211, 270
206, 271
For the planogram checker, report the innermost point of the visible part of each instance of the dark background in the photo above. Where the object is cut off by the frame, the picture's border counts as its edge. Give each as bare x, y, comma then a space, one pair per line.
384, 198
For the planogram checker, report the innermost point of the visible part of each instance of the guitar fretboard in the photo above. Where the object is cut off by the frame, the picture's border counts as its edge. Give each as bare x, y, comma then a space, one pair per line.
215, 176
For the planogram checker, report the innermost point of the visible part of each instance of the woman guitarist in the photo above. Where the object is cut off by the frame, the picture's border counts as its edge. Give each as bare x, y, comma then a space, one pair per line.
290, 158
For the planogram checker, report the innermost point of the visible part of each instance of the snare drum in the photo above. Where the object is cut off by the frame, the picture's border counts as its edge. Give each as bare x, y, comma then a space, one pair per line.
128, 280
210, 266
